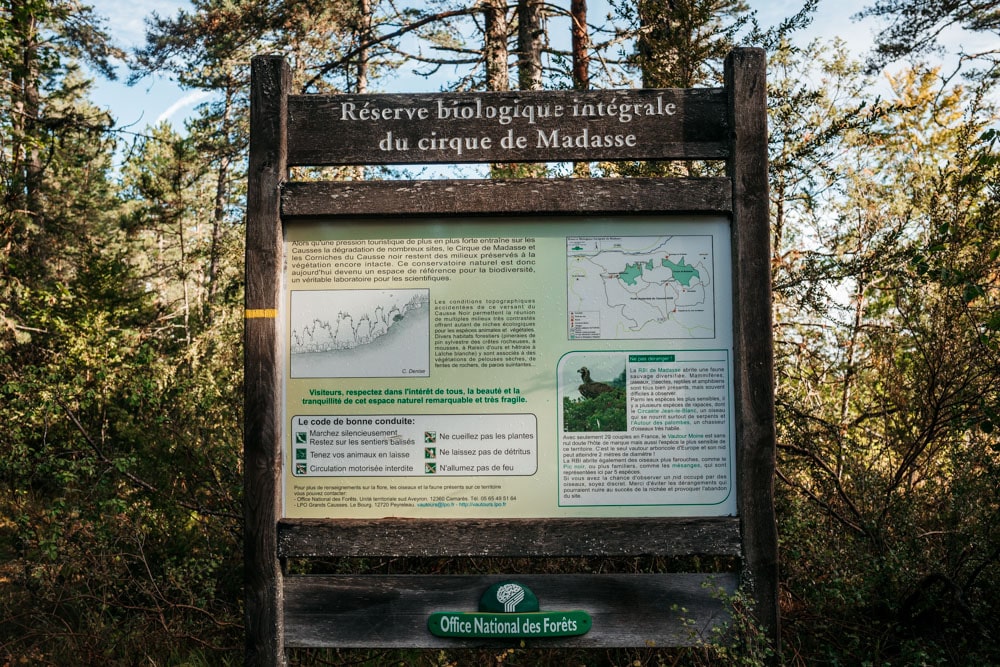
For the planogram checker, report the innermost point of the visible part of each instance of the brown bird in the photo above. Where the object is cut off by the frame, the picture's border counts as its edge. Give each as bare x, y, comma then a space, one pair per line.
589, 388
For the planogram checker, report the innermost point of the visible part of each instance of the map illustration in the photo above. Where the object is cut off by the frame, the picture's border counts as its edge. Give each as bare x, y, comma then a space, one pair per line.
360, 333
640, 287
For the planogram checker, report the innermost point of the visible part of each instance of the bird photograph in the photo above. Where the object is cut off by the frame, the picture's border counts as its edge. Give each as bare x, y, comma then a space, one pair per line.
589, 388
599, 402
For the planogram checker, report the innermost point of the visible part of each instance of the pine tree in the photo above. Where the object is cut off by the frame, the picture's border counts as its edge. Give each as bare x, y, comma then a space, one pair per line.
42, 122
915, 26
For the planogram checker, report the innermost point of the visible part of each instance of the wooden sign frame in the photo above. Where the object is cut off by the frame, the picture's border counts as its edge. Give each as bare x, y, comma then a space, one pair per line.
390, 611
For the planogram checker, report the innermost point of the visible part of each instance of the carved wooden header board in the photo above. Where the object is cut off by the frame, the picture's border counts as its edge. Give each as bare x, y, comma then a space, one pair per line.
507, 368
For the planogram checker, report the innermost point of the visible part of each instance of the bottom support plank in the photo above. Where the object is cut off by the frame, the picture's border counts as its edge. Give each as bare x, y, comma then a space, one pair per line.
628, 610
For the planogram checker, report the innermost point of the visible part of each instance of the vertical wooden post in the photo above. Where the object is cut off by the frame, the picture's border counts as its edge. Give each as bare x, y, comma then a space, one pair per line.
270, 81
745, 75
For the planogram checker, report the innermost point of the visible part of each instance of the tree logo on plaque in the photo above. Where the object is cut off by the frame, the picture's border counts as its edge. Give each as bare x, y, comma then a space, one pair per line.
507, 597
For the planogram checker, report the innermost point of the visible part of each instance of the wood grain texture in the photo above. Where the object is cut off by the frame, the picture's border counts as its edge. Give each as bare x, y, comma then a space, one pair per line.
392, 611
506, 197
262, 362
629, 610
509, 537
339, 129
745, 73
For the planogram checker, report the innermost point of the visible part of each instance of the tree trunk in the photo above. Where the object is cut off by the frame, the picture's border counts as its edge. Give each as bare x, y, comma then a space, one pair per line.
529, 44
529, 66
26, 111
581, 45
495, 45
219, 209
364, 36
581, 62
654, 33
495, 54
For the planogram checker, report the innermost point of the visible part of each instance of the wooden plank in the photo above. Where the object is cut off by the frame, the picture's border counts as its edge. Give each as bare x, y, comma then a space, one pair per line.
519, 126
392, 611
509, 537
507, 197
270, 80
745, 72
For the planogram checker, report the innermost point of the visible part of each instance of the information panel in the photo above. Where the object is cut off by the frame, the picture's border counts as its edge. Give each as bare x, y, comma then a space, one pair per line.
508, 368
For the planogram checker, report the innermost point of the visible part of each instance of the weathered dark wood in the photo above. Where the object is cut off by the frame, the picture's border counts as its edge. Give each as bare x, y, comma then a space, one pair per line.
509, 537
629, 610
745, 73
507, 197
262, 362
329, 130
392, 611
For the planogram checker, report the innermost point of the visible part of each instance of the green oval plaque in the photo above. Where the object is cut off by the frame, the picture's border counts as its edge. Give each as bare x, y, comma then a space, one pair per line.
509, 609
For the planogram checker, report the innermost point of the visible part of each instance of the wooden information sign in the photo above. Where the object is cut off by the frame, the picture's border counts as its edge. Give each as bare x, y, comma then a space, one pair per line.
535, 368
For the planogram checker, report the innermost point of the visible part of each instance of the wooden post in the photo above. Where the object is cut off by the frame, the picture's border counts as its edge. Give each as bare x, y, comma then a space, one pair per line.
746, 82
263, 372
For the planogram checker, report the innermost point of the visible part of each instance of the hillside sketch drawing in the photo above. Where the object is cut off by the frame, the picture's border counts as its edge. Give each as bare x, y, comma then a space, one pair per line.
360, 333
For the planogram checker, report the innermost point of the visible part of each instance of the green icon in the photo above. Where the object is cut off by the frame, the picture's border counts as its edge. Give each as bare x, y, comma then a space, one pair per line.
301, 438
430, 468
301, 454
508, 597
430, 452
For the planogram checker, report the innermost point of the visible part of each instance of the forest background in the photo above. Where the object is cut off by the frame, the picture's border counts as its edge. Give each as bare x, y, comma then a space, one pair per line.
121, 311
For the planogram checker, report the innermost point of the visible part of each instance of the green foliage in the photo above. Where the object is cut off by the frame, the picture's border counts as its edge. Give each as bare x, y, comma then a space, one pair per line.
124, 520
120, 481
605, 412
887, 366
679, 44
741, 641
915, 25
